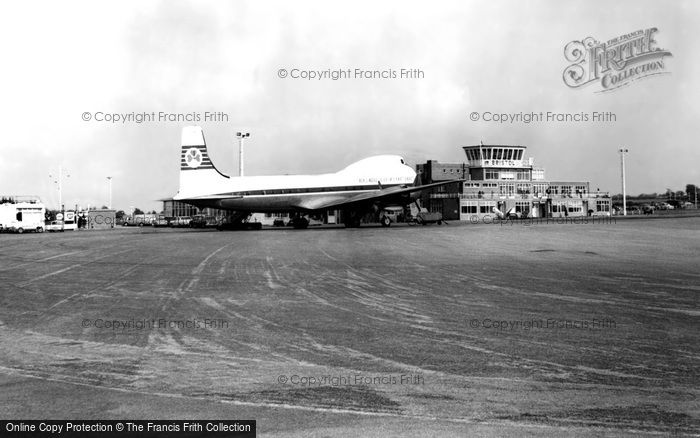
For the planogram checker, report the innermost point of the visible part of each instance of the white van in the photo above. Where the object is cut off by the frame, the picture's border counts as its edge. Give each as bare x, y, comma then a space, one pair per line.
21, 213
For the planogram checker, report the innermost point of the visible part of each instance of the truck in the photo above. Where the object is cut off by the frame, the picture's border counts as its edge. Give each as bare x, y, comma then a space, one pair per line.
22, 213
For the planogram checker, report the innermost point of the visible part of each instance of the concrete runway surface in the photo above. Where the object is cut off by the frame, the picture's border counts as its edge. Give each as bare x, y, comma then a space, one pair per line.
486, 330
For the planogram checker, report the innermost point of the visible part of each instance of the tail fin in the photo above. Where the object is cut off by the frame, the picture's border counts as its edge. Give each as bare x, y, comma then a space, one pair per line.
197, 172
194, 150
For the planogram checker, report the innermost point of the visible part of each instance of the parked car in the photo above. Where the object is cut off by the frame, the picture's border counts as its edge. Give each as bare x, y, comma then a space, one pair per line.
54, 226
183, 221
160, 221
198, 221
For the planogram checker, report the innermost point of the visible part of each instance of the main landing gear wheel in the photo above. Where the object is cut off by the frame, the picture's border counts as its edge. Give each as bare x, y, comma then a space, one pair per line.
351, 219
385, 221
352, 223
301, 223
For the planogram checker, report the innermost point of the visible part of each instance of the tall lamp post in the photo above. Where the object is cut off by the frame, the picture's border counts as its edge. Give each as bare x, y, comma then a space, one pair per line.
109, 179
59, 181
622, 152
241, 136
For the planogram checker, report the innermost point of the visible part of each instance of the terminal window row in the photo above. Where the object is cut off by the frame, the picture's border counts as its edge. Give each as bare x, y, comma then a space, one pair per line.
472, 184
474, 207
522, 175
494, 154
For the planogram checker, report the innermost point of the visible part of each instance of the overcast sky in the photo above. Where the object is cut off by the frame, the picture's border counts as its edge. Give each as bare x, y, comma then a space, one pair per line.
62, 59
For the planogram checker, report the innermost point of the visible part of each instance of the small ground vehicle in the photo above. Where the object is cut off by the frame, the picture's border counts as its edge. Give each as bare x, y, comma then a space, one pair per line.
54, 226
422, 216
182, 221
139, 220
160, 221
300, 222
198, 221
425, 217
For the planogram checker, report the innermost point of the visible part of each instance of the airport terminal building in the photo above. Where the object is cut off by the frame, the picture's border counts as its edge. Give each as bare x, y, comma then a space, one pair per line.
500, 180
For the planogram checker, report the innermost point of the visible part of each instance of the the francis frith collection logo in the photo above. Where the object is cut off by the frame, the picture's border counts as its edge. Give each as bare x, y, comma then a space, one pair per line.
615, 63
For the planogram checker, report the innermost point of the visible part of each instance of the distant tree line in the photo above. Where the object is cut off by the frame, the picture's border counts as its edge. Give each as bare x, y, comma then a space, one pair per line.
675, 198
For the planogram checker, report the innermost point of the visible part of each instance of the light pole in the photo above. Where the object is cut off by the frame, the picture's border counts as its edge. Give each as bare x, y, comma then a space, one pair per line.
59, 182
624, 191
241, 136
109, 179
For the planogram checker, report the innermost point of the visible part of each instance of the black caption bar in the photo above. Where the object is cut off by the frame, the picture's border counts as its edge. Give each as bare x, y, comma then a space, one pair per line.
127, 428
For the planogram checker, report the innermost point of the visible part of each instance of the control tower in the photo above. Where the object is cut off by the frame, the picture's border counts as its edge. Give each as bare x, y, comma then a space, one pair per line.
501, 162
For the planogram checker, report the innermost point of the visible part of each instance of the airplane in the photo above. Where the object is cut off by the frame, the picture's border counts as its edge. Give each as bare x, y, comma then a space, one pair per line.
368, 185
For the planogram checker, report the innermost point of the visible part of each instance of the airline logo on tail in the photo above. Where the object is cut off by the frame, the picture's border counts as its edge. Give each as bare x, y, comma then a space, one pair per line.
195, 157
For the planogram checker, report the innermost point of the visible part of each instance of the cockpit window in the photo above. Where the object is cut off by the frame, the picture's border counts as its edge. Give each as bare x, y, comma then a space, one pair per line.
402, 161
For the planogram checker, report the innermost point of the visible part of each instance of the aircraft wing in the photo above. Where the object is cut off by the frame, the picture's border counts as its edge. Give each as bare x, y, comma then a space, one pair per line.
380, 195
